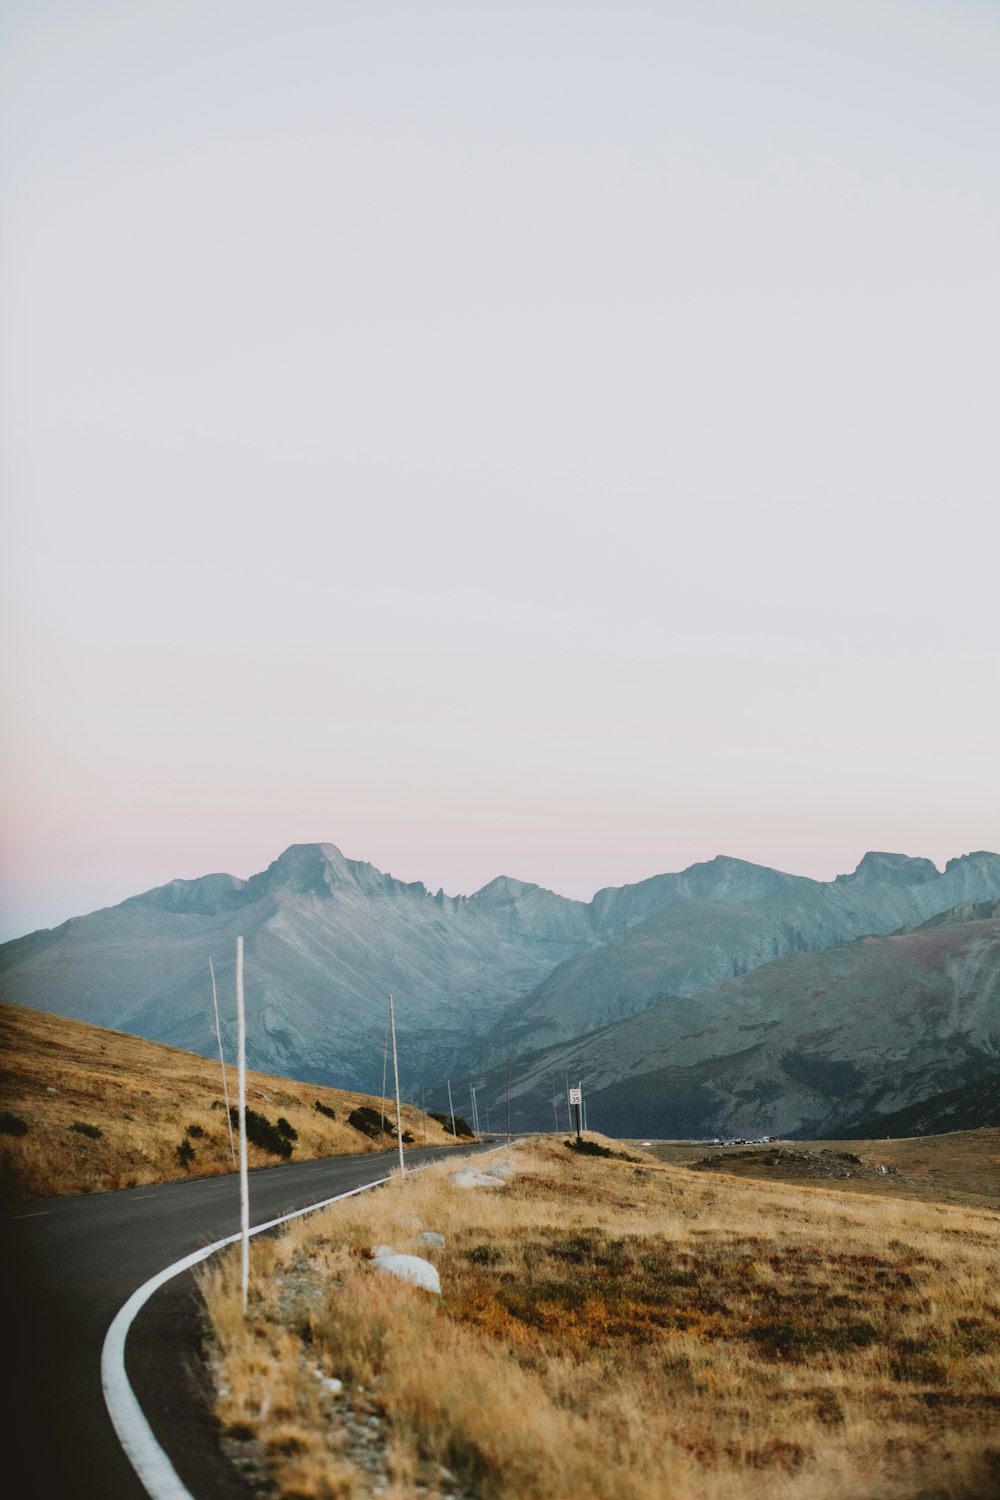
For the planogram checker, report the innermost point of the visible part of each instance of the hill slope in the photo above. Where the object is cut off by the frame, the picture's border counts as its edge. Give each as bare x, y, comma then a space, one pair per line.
973, 1107
804, 1044
138, 1102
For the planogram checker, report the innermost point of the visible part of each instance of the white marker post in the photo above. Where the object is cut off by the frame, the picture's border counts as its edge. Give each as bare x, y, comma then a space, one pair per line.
241, 1061
451, 1109
475, 1110
222, 1064
395, 1071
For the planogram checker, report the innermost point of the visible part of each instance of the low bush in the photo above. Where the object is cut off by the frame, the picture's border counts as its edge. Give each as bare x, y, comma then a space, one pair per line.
11, 1124
325, 1109
93, 1132
462, 1127
583, 1147
185, 1153
288, 1131
263, 1133
195, 1132
371, 1122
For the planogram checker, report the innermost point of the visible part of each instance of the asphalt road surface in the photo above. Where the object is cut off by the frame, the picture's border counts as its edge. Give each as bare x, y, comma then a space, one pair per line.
67, 1265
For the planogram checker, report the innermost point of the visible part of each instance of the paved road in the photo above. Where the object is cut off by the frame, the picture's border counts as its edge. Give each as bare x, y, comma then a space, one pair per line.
66, 1267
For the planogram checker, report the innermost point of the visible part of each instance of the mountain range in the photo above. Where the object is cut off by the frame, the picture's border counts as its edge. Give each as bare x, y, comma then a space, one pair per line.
328, 937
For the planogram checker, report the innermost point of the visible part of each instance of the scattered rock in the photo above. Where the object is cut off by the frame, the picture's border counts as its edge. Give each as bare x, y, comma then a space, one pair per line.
430, 1238
796, 1163
470, 1178
410, 1268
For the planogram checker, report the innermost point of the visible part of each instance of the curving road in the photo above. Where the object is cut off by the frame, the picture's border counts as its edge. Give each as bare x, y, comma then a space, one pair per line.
68, 1265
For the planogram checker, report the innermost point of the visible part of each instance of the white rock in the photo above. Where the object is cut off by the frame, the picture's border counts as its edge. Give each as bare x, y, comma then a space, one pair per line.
380, 1250
430, 1238
471, 1178
410, 1268
332, 1384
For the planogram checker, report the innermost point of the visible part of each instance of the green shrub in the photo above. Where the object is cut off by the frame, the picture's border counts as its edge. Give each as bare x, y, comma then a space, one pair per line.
370, 1122
93, 1132
325, 1109
461, 1126
185, 1153
484, 1255
263, 1133
11, 1124
195, 1132
288, 1131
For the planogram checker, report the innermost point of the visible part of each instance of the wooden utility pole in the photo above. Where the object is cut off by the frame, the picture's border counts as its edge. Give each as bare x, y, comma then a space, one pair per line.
395, 1071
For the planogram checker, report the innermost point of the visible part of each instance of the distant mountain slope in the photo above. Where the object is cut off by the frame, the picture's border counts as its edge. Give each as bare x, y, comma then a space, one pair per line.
972, 1107
328, 937
801, 1045
693, 945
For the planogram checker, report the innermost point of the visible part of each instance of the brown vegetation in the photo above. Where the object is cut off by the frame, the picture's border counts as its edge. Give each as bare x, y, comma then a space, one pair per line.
962, 1166
85, 1109
612, 1331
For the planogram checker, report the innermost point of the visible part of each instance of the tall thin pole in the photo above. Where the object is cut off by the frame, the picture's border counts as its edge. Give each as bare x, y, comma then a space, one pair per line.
385, 1066
555, 1112
395, 1073
241, 1062
222, 1065
451, 1109
475, 1110
508, 1091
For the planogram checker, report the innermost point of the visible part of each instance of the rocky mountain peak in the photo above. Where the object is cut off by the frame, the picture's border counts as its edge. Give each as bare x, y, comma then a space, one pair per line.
307, 869
880, 868
501, 890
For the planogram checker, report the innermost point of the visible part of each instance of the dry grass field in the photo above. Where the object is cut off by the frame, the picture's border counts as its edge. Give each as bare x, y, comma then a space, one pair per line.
960, 1167
613, 1330
106, 1110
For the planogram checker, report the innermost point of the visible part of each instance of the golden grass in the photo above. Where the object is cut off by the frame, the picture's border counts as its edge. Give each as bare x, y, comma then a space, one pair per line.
142, 1097
613, 1332
962, 1166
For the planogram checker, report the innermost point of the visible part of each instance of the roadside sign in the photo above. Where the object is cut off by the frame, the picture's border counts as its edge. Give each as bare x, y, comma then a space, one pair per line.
576, 1096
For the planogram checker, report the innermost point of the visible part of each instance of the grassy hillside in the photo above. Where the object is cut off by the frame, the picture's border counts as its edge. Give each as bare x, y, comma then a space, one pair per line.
610, 1328
84, 1109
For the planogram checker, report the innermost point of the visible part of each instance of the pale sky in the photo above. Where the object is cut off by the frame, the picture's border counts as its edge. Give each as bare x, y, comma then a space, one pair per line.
557, 440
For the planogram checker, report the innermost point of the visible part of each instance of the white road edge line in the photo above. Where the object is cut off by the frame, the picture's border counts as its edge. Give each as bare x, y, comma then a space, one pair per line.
156, 1473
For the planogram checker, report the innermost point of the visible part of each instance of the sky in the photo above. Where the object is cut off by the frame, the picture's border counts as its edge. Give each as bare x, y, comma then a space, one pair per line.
549, 439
